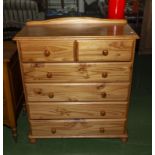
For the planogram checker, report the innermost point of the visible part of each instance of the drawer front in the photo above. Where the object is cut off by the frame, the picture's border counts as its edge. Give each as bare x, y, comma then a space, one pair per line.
62, 110
82, 127
46, 51
77, 92
107, 50
73, 72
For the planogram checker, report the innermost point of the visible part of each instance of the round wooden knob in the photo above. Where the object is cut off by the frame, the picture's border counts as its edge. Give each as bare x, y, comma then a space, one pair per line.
101, 130
51, 95
105, 52
104, 95
102, 113
35, 65
49, 75
104, 74
38, 91
47, 53
53, 131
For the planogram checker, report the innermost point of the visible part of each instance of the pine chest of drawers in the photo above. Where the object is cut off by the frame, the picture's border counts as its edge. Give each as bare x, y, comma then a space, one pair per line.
77, 75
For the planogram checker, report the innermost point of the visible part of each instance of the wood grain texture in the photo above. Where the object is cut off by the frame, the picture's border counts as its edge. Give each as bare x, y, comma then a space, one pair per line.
120, 136
10, 119
77, 127
77, 72
22, 76
82, 89
131, 81
65, 110
80, 28
12, 87
77, 92
105, 50
46, 51
106, 44
75, 20
9, 49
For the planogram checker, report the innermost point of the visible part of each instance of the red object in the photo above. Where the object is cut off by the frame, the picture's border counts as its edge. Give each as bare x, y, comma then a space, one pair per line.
116, 9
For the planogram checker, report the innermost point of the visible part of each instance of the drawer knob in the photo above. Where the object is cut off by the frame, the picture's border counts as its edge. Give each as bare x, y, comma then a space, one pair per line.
49, 75
51, 95
53, 131
102, 130
102, 113
47, 53
38, 91
104, 74
105, 52
104, 95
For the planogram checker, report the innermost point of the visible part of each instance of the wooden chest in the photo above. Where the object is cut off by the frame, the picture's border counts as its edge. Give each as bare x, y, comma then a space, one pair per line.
12, 87
77, 75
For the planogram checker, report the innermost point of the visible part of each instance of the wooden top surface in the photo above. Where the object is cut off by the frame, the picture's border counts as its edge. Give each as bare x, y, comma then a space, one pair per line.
76, 28
9, 48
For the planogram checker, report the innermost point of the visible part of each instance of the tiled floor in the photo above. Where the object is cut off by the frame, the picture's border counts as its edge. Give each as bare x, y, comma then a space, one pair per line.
139, 127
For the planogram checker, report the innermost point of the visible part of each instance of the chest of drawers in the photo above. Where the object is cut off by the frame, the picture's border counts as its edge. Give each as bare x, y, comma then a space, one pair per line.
77, 75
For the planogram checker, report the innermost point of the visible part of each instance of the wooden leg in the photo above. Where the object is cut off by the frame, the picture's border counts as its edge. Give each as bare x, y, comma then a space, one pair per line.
32, 140
124, 140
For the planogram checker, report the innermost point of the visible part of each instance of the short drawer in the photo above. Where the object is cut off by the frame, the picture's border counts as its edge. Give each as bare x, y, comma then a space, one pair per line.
77, 72
105, 50
83, 127
65, 110
46, 51
77, 91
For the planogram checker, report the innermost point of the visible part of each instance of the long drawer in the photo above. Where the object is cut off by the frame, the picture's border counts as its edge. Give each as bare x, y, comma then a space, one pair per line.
62, 110
105, 50
77, 72
75, 127
46, 51
77, 92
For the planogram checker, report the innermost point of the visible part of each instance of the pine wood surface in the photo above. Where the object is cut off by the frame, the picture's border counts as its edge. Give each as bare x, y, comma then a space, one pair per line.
77, 75
83, 20
12, 88
75, 28
77, 72
9, 49
70, 110
105, 50
9, 113
75, 127
77, 92
123, 137
89, 50
46, 51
